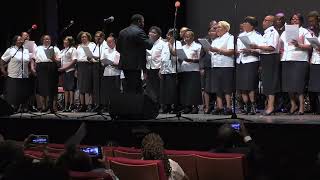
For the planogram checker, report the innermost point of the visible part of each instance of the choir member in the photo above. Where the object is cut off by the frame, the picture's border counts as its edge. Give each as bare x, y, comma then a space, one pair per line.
294, 62
222, 67
280, 21
270, 62
84, 70
168, 73
154, 63
247, 65
205, 70
189, 80
68, 61
47, 58
17, 59
110, 84
97, 70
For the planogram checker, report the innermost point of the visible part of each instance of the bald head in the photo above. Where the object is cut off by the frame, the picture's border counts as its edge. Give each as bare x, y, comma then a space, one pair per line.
268, 21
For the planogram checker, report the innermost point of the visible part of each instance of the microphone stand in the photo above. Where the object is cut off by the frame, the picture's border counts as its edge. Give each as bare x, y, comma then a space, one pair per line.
99, 113
178, 112
235, 32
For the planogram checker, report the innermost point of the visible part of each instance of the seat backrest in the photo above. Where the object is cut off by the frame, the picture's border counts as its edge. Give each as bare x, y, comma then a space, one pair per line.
125, 152
220, 166
76, 175
186, 160
134, 169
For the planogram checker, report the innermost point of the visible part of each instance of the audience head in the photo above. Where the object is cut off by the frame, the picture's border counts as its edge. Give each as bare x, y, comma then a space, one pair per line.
268, 21
227, 137
297, 18
10, 152
137, 19
75, 160
153, 149
250, 23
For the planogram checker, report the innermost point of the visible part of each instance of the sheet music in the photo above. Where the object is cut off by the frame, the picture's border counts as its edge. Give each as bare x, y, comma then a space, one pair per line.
245, 41
181, 54
49, 52
314, 42
29, 45
106, 62
87, 51
292, 32
205, 43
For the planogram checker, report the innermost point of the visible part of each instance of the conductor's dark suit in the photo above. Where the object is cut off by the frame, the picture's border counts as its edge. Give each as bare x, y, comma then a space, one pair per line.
132, 45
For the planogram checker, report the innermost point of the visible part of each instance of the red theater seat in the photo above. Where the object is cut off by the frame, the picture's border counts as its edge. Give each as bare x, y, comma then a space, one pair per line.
222, 166
130, 153
133, 169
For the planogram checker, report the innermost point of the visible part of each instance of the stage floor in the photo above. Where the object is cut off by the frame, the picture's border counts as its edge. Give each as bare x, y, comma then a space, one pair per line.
279, 118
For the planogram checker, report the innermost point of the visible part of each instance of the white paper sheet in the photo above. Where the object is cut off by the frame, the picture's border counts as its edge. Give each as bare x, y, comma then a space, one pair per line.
29, 45
181, 54
106, 62
292, 32
314, 42
205, 43
87, 51
245, 41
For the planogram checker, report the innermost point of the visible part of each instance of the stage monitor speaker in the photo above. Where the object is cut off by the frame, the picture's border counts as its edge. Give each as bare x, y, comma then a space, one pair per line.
131, 106
5, 108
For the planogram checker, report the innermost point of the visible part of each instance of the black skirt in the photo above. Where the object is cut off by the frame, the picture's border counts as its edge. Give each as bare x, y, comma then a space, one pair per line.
69, 81
48, 78
85, 77
153, 83
314, 84
168, 89
222, 80
294, 74
17, 90
97, 74
110, 86
270, 64
247, 78
190, 88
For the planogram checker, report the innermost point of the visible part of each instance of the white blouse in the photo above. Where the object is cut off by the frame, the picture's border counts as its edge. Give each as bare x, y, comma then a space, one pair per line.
67, 56
168, 61
114, 56
18, 60
41, 56
291, 53
224, 42
177, 172
81, 54
154, 55
271, 37
315, 58
98, 47
193, 52
254, 38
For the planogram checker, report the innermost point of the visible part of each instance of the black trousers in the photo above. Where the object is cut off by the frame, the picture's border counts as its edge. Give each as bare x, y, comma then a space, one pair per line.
133, 81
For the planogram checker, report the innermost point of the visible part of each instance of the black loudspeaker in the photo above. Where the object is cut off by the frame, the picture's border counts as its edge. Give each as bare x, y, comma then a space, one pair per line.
130, 106
5, 108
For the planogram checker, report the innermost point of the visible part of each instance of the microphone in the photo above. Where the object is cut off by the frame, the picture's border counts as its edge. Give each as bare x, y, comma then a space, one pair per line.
33, 27
109, 19
69, 25
177, 5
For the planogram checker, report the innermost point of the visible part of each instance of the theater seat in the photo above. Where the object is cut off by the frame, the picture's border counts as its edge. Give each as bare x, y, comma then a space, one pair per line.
125, 152
186, 160
75, 175
220, 166
133, 169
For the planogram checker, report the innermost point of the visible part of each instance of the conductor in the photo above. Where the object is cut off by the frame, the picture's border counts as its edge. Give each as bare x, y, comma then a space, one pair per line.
132, 45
